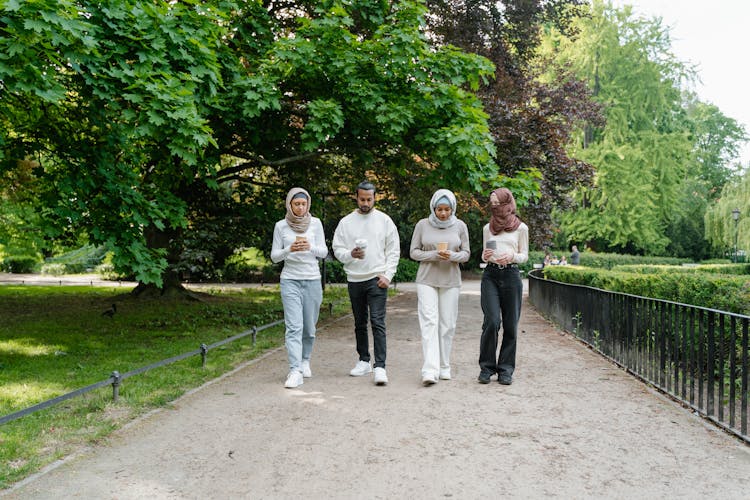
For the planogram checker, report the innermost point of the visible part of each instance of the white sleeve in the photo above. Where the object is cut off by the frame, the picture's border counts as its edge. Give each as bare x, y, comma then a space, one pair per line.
523, 245
318, 247
278, 252
392, 249
341, 249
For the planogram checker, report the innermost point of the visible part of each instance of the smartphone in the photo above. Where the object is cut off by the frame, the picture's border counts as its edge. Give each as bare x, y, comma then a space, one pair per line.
492, 244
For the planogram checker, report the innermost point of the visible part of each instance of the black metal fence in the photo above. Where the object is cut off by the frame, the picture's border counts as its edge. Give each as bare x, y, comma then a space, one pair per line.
697, 355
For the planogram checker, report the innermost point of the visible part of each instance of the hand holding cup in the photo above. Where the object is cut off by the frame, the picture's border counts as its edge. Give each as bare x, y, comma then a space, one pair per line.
300, 244
359, 249
442, 249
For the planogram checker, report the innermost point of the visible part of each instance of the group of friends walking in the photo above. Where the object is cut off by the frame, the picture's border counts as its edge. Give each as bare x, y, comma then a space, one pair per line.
366, 242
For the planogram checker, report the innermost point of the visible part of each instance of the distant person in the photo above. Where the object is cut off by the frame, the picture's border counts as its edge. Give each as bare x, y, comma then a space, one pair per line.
298, 240
575, 256
547, 259
506, 244
439, 243
367, 243
563, 261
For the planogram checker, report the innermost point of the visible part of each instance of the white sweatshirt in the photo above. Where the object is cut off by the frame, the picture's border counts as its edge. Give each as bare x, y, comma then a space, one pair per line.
299, 265
383, 246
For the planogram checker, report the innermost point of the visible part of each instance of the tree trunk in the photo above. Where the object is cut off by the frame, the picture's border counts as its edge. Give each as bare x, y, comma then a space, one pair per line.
171, 284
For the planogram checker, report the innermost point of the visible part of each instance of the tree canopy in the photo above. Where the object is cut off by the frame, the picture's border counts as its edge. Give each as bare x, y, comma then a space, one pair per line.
531, 118
137, 112
654, 143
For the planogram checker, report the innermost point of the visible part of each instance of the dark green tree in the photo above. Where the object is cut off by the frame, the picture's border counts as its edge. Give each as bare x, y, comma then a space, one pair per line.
531, 118
138, 113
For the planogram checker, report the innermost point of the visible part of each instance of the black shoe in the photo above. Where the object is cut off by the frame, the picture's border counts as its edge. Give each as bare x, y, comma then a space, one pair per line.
484, 378
505, 379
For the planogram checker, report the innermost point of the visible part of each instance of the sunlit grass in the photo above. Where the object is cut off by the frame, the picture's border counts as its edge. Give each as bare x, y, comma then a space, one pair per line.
54, 340
22, 395
27, 347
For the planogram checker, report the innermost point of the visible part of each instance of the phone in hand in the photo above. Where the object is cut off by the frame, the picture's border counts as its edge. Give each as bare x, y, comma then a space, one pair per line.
492, 244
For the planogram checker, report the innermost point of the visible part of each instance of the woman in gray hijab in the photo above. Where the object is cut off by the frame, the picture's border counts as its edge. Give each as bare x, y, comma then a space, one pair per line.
439, 243
298, 240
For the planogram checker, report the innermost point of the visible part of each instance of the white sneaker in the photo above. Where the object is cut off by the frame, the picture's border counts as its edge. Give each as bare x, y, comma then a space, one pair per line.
428, 380
445, 374
294, 379
379, 376
305, 367
361, 368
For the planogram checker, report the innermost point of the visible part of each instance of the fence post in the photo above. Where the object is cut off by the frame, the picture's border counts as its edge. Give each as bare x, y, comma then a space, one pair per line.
115, 385
255, 334
204, 353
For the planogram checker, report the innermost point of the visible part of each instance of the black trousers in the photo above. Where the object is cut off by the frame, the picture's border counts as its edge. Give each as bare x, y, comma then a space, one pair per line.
369, 300
502, 291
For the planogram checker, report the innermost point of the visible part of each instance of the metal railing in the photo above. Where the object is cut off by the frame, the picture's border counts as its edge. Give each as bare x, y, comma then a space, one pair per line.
696, 355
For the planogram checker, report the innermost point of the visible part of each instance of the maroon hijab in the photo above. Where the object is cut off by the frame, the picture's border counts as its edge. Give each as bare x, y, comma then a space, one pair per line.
504, 216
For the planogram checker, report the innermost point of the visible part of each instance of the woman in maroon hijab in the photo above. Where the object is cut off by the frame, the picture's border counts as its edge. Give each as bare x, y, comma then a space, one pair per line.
506, 244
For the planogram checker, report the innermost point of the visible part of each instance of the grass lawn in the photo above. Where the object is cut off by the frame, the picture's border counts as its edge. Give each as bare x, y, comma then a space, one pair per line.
54, 340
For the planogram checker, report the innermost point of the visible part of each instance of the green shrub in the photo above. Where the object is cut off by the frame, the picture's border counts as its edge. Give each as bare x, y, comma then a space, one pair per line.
53, 269
19, 264
250, 266
677, 284
407, 271
107, 270
335, 272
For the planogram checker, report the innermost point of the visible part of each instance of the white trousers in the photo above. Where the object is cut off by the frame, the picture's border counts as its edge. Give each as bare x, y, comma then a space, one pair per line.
438, 312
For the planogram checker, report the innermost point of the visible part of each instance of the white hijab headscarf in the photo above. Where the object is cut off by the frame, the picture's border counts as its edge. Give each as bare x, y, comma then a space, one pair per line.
439, 194
298, 223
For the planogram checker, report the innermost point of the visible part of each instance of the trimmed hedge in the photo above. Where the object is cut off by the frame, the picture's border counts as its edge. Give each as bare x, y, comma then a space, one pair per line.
691, 286
609, 260
19, 264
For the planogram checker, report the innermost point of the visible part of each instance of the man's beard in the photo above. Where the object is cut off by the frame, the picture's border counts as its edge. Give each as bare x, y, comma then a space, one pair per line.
364, 210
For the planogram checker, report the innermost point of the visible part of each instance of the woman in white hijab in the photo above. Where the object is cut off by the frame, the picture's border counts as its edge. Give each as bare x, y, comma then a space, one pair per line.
439, 243
298, 240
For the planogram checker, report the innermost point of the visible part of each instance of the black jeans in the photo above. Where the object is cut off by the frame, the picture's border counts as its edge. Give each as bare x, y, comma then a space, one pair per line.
502, 291
369, 299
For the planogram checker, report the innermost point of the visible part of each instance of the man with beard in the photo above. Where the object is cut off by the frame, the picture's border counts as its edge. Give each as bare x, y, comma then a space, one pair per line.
366, 242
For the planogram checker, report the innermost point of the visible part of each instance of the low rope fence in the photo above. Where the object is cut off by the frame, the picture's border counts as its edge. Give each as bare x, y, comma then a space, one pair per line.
116, 378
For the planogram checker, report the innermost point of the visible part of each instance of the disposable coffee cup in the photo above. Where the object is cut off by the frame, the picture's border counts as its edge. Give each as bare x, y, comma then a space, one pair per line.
442, 246
361, 243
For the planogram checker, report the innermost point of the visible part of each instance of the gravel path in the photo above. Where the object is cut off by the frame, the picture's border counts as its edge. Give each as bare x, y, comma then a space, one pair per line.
572, 425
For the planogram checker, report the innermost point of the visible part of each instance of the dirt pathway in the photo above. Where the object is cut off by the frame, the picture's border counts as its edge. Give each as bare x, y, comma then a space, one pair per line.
571, 426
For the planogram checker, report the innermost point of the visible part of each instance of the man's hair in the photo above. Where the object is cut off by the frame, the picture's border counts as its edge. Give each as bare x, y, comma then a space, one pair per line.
365, 186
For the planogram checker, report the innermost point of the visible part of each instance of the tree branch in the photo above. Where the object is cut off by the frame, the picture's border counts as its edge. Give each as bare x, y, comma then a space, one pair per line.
255, 160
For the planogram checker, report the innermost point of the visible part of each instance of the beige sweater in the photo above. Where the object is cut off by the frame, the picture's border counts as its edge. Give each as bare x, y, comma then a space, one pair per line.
433, 270
515, 242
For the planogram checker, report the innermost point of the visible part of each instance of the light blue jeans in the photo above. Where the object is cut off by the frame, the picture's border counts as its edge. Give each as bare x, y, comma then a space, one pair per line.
301, 300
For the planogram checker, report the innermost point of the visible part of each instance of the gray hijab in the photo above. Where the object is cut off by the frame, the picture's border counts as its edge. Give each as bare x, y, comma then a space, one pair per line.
434, 221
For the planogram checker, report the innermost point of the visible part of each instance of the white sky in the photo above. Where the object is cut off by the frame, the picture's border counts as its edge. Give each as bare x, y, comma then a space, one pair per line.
715, 37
